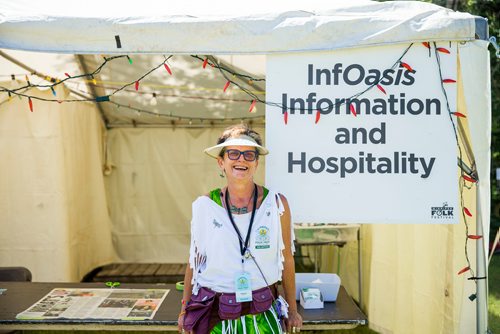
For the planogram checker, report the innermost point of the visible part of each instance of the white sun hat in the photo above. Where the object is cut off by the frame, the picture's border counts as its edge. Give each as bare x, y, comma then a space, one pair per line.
242, 140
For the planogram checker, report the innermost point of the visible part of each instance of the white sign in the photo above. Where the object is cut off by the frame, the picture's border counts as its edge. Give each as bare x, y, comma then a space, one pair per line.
365, 135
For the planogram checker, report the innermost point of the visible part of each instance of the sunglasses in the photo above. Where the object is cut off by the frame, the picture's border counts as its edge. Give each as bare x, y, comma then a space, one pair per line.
247, 155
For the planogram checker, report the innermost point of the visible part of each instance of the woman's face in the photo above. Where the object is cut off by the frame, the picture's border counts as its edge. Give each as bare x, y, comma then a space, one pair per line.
241, 168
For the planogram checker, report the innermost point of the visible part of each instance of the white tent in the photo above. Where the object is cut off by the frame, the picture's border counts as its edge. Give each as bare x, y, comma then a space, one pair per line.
88, 183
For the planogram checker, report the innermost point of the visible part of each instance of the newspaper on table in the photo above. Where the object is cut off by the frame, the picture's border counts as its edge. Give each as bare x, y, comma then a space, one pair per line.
119, 304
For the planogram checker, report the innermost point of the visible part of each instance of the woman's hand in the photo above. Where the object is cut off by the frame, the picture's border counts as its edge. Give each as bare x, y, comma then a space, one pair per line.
294, 322
180, 323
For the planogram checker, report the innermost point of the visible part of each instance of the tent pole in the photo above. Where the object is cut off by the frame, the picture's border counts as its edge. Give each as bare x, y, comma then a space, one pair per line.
481, 287
92, 91
481, 284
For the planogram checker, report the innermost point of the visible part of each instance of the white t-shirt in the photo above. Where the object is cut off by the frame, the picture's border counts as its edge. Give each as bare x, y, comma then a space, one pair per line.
215, 255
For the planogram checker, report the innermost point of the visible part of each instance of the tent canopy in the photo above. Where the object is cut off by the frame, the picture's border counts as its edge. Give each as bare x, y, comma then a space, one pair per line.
194, 96
195, 27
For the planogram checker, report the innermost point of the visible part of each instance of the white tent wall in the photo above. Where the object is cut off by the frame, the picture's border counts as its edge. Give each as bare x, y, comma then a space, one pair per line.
409, 277
51, 191
156, 174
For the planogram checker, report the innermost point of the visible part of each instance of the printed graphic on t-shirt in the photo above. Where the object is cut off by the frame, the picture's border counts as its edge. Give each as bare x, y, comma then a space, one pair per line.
262, 239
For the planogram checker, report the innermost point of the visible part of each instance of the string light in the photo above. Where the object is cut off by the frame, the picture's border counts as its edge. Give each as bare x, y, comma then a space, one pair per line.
465, 212
463, 270
408, 67
205, 60
443, 50
168, 69
456, 113
226, 85
353, 110
252, 106
467, 178
381, 89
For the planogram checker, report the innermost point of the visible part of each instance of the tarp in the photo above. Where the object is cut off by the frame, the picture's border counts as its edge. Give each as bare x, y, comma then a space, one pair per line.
190, 27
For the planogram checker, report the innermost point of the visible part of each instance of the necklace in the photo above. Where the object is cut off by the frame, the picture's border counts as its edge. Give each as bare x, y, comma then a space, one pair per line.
243, 209
245, 252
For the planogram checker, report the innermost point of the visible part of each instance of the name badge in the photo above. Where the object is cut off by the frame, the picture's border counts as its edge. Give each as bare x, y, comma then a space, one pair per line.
243, 287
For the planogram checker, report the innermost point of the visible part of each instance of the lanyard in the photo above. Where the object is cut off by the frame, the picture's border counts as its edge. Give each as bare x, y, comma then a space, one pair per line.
243, 247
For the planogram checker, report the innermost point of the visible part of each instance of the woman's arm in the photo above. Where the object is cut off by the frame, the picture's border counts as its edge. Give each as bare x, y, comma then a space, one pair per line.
186, 296
288, 275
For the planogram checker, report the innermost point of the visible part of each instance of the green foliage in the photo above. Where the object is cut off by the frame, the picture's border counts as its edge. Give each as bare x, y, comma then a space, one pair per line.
491, 10
494, 294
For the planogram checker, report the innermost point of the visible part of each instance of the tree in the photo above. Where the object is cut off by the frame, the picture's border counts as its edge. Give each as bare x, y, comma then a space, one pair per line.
490, 9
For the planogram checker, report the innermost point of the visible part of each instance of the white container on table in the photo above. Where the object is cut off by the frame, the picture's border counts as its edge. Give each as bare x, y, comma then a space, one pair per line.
328, 284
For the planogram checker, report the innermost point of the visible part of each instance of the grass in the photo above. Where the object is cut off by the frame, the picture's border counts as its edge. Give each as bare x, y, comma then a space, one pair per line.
494, 294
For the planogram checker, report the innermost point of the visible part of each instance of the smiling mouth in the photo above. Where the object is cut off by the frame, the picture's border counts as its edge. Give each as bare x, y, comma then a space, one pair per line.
241, 168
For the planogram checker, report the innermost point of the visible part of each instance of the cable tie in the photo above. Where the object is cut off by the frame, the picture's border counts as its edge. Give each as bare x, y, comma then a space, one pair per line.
102, 98
476, 278
118, 42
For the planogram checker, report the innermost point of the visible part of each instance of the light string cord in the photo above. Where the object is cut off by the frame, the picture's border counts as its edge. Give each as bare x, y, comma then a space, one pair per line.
92, 74
462, 173
142, 77
223, 70
60, 81
281, 106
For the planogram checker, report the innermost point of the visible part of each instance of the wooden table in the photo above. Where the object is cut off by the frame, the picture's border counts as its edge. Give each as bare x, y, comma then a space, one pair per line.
343, 314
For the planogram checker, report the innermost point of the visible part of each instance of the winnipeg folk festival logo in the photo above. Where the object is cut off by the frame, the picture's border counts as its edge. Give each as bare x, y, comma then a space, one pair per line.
442, 212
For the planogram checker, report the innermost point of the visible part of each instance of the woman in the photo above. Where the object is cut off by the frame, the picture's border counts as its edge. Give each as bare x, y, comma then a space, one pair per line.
241, 246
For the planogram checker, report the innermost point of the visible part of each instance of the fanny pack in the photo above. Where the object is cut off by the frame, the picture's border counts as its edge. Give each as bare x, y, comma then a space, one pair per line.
200, 308
198, 311
230, 309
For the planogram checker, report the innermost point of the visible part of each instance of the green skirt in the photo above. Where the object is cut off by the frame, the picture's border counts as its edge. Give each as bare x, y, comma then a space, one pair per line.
263, 323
